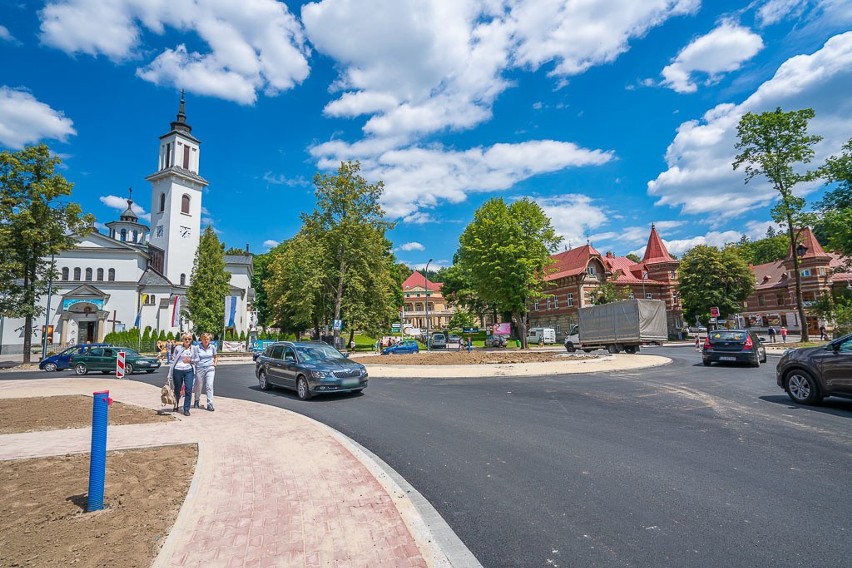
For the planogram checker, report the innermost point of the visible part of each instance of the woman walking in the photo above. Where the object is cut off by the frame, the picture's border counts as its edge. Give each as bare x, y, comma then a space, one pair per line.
208, 358
182, 371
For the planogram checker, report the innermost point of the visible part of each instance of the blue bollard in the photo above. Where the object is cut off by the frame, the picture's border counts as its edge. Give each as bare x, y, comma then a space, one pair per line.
97, 464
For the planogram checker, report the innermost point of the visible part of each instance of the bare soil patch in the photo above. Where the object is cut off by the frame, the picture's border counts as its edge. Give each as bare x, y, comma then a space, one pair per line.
476, 357
63, 412
43, 518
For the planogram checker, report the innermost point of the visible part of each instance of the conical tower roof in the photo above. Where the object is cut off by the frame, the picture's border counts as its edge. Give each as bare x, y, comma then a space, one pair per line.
656, 251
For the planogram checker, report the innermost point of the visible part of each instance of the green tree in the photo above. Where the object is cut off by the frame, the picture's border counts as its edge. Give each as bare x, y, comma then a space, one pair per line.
773, 144
36, 224
505, 252
209, 284
462, 318
836, 205
258, 282
761, 251
710, 277
634, 257
837, 308
610, 292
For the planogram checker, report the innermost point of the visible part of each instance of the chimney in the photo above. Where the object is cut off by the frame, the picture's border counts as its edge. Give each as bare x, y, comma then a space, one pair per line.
247, 251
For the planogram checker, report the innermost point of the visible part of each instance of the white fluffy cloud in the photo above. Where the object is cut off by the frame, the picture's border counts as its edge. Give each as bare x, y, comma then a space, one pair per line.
252, 45
573, 216
700, 178
418, 177
774, 11
6, 35
722, 50
25, 120
269, 243
120, 204
414, 245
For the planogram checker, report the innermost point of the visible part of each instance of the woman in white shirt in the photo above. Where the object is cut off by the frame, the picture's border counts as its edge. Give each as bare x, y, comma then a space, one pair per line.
205, 370
182, 371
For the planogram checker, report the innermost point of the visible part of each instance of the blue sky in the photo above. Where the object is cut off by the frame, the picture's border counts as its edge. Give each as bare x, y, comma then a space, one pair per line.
612, 114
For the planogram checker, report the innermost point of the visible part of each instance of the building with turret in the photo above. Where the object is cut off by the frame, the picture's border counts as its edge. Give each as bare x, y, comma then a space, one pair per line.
135, 275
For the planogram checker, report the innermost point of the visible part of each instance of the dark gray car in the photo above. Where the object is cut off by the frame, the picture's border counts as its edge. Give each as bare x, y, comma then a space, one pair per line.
810, 374
734, 346
309, 368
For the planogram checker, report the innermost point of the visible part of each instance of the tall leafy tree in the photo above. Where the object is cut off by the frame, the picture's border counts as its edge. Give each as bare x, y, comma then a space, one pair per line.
505, 252
35, 224
774, 144
836, 205
709, 277
259, 274
209, 284
765, 250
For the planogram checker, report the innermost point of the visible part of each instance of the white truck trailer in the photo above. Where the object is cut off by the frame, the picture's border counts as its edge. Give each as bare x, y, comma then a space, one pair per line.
619, 326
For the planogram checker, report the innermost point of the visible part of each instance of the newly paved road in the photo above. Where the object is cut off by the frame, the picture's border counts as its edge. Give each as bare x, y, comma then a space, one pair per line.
679, 465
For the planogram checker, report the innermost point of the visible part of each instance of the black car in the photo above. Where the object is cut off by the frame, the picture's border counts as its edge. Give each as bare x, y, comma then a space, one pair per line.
810, 374
733, 345
309, 368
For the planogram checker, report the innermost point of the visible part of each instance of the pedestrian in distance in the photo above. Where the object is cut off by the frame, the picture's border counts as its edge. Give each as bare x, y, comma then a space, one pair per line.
205, 371
771, 332
182, 371
783, 334
823, 334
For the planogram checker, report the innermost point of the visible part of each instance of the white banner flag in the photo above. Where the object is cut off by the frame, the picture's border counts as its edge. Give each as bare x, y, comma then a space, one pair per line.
175, 311
230, 310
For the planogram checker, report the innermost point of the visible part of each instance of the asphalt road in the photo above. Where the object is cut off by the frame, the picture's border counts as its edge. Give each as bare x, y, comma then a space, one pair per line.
681, 465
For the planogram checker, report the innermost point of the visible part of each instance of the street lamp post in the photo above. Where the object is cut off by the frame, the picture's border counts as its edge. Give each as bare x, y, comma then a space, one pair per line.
426, 282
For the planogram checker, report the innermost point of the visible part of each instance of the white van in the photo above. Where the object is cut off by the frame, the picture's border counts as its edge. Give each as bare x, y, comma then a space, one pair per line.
541, 336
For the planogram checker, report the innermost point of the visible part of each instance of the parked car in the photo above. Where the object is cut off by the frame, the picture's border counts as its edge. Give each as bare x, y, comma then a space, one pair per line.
309, 368
734, 345
103, 359
62, 360
810, 374
453, 339
439, 341
496, 341
407, 346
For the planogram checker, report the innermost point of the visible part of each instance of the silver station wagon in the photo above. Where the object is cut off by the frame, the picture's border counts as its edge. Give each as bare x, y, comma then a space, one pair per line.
309, 368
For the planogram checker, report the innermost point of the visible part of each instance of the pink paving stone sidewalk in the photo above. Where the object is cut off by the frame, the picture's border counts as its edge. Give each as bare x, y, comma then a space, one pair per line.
271, 488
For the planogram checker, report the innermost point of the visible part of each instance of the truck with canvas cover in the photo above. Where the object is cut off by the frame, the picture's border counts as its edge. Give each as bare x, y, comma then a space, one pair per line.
619, 326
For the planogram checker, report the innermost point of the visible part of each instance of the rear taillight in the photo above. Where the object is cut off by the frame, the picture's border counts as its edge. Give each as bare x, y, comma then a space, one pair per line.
707, 342
748, 344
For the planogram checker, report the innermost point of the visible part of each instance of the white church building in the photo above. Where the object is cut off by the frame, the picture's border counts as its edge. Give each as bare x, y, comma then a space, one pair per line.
107, 281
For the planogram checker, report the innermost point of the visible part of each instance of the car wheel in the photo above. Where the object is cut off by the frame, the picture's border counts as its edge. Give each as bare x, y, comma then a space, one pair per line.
50, 367
81, 369
261, 379
706, 362
570, 347
128, 369
802, 388
302, 390
756, 362
631, 349
763, 359
612, 349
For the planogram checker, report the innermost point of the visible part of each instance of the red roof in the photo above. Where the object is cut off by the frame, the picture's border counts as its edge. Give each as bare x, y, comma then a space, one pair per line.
571, 262
417, 280
811, 246
770, 275
656, 251
630, 272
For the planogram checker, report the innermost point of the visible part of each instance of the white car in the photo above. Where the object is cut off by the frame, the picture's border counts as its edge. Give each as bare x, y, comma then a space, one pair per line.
439, 341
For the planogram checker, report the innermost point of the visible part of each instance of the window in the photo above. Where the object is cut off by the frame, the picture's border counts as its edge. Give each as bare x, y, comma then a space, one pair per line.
570, 300
77, 273
761, 301
289, 354
184, 204
548, 304
111, 275
779, 299
88, 275
100, 274
535, 306
673, 274
168, 160
135, 235
649, 296
150, 299
123, 235
65, 273
591, 270
555, 302
162, 202
186, 157
806, 272
277, 352
183, 279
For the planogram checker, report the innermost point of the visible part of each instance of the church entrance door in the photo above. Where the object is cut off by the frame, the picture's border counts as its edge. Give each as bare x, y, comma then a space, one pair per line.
89, 331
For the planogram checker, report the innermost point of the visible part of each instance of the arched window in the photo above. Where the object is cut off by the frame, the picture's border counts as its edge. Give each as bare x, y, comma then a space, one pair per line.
162, 202
123, 235
88, 275
77, 273
183, 279
111, 275
184, 204
100, 274
135, 235
65, 273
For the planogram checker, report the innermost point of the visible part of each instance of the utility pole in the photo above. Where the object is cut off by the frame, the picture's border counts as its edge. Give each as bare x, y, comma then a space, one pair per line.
426, 282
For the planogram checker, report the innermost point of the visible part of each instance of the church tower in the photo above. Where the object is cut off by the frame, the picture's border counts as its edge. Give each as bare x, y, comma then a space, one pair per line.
176, 190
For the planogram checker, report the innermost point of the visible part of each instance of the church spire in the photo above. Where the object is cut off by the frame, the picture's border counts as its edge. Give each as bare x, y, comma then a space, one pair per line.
656, 251
180, 123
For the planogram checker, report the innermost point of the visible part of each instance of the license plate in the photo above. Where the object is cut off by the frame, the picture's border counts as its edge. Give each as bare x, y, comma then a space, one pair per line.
727, 358
349, 382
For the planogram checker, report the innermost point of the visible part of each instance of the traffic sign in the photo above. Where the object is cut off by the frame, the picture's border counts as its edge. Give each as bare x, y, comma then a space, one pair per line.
394, 327
714, 312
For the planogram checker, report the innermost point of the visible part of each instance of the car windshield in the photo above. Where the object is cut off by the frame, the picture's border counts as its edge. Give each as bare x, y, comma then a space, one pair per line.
727, 335
317, 352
